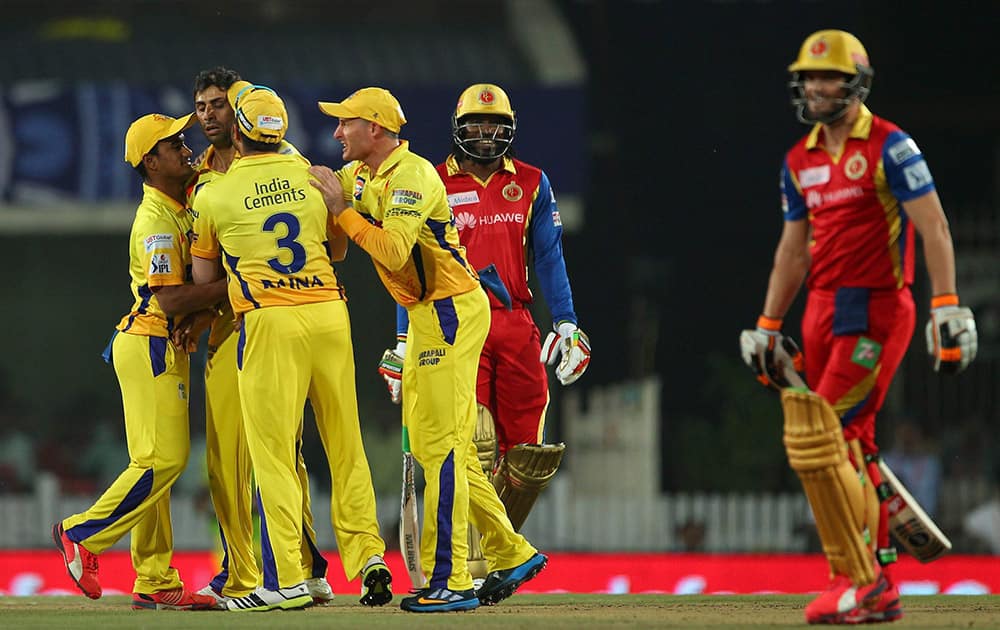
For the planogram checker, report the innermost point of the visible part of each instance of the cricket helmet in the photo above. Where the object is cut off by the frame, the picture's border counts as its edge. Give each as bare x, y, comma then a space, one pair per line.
836, 51
479, 142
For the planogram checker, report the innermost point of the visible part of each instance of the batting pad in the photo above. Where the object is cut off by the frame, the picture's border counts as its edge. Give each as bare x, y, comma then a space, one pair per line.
524, 472
817, 453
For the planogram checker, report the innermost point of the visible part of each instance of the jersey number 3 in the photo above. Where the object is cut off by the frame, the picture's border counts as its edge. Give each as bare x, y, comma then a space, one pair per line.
291, 223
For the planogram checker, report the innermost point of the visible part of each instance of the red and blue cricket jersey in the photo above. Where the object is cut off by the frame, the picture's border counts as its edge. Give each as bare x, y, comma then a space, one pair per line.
860, 235
859, 315
511, 220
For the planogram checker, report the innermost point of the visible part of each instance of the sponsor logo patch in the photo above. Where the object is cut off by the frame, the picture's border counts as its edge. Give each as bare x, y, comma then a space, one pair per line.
463, 198
556, 219
403, 197
465, 220
159, 265
159, 241
903, 150
273, 123
918, 175
814, 176
866, 352
359, 187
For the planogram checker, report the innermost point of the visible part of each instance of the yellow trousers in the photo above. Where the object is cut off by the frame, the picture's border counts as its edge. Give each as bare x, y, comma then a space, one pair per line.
153, 377
444, 342
230, 479
286, 354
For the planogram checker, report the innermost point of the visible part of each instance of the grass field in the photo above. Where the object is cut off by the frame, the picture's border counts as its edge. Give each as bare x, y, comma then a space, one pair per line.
521, 611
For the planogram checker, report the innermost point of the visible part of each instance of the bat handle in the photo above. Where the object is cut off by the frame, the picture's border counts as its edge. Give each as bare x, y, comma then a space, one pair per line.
406, 440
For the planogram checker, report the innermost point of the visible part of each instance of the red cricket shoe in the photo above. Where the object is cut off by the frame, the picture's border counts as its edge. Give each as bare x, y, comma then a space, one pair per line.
846, 604
174, 599
80, 563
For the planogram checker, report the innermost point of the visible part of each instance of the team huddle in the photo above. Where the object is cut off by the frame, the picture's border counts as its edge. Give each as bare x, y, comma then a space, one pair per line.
243, 245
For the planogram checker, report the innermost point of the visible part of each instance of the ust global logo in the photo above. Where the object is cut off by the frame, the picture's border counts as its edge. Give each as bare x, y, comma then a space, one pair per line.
465, 220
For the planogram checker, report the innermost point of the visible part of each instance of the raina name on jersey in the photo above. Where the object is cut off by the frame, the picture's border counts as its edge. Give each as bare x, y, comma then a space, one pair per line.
272, 193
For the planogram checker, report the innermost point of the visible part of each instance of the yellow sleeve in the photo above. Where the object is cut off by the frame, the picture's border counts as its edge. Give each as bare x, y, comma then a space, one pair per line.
161, 250
204, 240
405, 210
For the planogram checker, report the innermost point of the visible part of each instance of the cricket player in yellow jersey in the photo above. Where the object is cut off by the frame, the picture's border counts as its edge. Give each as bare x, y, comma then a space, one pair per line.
228, 460
270, 230
392, 203
153, 376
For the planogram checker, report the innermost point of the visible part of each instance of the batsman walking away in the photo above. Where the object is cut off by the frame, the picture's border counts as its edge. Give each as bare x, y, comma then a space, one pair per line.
854, 191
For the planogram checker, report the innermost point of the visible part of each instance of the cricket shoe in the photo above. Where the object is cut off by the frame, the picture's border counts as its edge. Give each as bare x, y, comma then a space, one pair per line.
440, 600
220, 599
80, 563
500, 585
319, 590
262, 599
846, 604
376, 582
174, 599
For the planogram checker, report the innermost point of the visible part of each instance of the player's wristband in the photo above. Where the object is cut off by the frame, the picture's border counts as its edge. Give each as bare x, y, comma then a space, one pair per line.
945, 299
769, 323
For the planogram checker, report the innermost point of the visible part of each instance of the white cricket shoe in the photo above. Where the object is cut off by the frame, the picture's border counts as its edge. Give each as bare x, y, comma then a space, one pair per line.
319, 590
262, 599
220, 600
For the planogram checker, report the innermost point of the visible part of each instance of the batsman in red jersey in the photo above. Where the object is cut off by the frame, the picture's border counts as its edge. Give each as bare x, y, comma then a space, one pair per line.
853, 190
507, 218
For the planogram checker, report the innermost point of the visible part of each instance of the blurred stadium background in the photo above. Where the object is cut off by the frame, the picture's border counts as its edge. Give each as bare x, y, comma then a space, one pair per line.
661, 125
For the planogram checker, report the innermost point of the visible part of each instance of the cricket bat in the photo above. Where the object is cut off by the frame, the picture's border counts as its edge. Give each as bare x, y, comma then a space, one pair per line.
409, 523
909, 523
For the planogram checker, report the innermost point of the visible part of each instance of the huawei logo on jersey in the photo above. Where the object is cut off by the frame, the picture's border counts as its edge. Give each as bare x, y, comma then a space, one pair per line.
464, 220
512, 192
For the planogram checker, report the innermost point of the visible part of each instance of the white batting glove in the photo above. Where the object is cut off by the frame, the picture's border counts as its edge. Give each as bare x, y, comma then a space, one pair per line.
391, 369
571, 347
951, 334
773, 357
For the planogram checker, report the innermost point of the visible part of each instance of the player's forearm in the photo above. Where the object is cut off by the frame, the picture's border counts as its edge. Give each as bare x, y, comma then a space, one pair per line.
187, 298
786, 278
389, 248
939, 256
337, 240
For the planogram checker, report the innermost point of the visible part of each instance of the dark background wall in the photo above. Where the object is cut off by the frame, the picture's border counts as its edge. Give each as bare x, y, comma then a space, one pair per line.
685, 122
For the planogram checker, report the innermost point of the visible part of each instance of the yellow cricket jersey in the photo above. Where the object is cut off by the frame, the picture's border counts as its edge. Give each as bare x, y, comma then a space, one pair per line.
401, 218
224, 324
269, 225
158, 257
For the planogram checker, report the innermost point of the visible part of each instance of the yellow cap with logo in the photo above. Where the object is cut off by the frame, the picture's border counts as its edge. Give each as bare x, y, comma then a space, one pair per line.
260, 112
831, 50
373, 104
484, 98
146, 132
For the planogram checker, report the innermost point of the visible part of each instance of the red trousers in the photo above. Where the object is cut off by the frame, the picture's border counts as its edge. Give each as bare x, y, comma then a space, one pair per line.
512, 381
854, 340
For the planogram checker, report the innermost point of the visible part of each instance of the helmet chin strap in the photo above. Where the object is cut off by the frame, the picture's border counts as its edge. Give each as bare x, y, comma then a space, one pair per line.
804, 116
479, 159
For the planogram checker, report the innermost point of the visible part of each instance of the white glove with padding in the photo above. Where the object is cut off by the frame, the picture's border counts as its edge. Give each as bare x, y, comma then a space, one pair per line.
952, 339
571, 347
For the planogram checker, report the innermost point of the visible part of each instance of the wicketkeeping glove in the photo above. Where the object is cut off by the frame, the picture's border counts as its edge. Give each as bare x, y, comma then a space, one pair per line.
391, 369
952, 339
570, 343
771, 355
